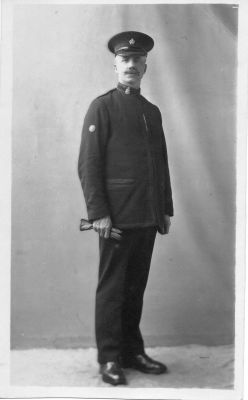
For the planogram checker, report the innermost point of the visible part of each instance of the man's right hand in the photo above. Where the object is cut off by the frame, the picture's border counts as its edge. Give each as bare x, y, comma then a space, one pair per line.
103, 226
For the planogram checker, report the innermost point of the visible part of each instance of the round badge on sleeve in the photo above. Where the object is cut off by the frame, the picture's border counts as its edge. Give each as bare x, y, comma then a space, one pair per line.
92, 128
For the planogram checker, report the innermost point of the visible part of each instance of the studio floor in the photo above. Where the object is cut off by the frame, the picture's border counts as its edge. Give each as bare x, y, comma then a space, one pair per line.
191, 366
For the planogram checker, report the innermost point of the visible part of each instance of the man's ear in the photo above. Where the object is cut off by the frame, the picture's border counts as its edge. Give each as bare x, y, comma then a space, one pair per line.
115, 68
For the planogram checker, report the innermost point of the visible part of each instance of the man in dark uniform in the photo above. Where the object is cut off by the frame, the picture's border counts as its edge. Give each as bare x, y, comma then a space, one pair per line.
123, 169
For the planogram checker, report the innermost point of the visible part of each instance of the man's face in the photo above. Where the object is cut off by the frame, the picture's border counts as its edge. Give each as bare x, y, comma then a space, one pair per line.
130, 69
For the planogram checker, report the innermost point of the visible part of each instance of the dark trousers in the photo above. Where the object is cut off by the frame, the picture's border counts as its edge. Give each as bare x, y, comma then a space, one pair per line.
123, 273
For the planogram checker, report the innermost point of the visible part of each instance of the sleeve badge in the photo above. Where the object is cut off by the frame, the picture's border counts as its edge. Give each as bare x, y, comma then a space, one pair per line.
92, 128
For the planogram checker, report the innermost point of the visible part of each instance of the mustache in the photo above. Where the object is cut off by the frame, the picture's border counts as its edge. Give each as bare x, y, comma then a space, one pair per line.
132, 71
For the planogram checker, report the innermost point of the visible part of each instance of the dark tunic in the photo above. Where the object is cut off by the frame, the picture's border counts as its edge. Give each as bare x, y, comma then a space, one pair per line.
123, 166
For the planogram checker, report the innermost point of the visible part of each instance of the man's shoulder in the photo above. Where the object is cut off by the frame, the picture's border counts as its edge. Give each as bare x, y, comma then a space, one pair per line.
150, 104
102, 100
104, 96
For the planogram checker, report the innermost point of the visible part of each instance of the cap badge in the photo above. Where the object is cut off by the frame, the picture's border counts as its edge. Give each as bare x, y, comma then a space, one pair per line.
132, 41
92, 128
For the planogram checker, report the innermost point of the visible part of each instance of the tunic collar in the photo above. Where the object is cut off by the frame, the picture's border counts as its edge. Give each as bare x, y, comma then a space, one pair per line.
127, 89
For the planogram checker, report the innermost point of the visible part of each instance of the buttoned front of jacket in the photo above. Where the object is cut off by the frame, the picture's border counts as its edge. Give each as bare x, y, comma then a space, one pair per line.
123, 164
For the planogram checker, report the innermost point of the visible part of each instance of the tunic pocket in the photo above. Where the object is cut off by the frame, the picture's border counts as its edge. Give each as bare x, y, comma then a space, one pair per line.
121, 182
121, 194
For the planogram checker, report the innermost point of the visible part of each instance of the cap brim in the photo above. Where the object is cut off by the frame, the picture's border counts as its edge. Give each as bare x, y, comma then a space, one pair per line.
131, 53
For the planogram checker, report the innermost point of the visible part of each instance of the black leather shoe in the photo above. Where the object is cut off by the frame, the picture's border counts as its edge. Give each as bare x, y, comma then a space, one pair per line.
145, 364
112, 373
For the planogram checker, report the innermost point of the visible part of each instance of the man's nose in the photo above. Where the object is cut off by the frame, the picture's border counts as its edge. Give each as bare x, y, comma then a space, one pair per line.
131, 63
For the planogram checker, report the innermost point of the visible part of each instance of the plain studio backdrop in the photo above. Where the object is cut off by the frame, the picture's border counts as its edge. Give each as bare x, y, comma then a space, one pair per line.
60, 64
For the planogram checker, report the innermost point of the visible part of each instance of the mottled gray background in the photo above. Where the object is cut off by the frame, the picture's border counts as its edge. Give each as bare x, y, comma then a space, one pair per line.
60, 63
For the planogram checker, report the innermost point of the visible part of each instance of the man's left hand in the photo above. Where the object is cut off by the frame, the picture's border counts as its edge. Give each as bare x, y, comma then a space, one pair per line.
167, 223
